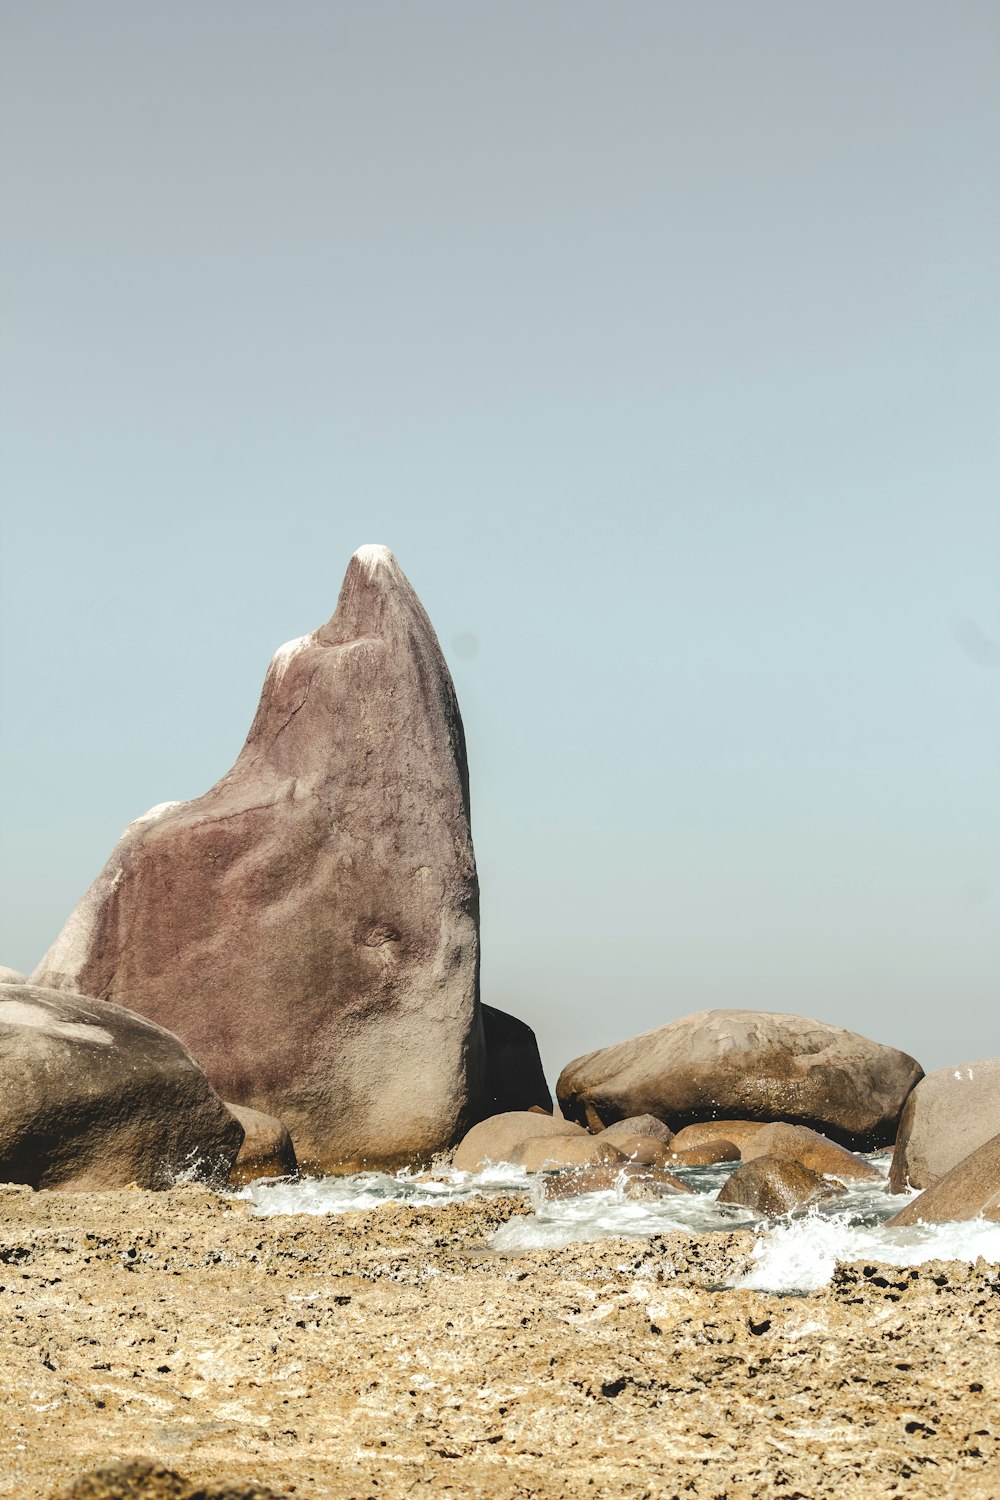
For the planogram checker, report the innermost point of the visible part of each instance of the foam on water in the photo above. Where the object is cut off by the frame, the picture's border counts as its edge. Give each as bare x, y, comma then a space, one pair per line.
790, 1255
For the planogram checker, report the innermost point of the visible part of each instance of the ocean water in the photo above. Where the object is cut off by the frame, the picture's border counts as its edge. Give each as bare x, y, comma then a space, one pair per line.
792, 1254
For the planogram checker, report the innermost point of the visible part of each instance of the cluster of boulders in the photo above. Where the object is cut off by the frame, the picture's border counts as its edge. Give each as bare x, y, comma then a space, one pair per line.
284, 972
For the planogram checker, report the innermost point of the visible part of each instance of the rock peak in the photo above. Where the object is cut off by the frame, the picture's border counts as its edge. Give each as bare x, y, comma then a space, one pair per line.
373, 555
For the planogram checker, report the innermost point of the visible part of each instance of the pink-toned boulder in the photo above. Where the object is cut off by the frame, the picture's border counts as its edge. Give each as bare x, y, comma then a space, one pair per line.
970, 1190
500, 1138
950, 1114
820, 1155
746, 1064
309, 926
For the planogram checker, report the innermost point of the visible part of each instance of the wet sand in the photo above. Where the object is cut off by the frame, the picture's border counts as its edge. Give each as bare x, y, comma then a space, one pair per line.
387, 1353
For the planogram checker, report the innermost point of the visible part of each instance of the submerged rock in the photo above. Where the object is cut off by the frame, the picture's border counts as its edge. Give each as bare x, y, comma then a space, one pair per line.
310, 926
514, 1075
950, 1113
969, 1190
775, 1185
267, 1149
94, 1097
797, 1143
755, 1065
501, 1136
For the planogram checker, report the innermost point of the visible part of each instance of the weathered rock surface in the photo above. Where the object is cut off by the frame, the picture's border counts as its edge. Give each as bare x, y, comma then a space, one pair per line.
950, 1113
815, 1151
645, 1149
309, 926
628, 1178
267, 1149
383, 1353
736, 1131
553, 1153
774, 1185
970, 1189
499, 1137
11, 976
647, 1125
755, 1065
94, 1097
514, 1075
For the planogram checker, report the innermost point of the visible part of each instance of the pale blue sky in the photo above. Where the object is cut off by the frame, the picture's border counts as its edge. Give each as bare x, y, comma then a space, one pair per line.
660, 341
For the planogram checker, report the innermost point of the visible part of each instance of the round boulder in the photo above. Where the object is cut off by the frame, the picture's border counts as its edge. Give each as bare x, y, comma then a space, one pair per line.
645, 1125
93, 1097
552, 1153
754, 1065
498, 1138
736, 1131
774, 1185
707, 1155
950, 1114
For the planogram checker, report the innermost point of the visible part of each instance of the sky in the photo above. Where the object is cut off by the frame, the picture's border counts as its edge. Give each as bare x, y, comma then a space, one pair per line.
658, 340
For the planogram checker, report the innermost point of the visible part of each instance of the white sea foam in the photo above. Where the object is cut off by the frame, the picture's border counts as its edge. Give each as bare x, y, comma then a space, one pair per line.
790, 1255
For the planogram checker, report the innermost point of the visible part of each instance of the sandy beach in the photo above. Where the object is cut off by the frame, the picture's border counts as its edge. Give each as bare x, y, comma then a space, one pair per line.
390, 1353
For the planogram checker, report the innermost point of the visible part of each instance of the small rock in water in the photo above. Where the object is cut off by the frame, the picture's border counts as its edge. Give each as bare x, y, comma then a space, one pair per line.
547, 1152
774, 1185
815, 1151
631, 1178
267, 1149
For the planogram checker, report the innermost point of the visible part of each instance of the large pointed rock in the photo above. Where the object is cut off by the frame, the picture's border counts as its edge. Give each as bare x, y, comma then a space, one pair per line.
748, 1065
310, 926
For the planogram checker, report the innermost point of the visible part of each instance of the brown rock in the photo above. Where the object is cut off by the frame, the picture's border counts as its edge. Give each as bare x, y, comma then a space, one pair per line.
754, 1065
631, 1179
93, 1097
970, 1189
551, 1153
736, 1131
707, 1155
644, 1149
267, 1149
514, 1075
647, 1125
949, 1115
774, 1185
797, 1143
309, 926
498, 1138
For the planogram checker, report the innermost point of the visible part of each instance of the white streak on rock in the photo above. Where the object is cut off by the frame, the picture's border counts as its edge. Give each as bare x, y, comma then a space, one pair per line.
23, 1013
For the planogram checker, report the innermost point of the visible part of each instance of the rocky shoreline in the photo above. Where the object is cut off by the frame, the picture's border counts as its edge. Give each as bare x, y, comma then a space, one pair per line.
390, 1353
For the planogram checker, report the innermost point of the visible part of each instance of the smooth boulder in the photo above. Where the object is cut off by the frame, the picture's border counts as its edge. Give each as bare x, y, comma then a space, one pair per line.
555, 1153
514, 1075
267, 1149
774, 1185
93, 1097
815, 1151
11, 976
949, 1115
753, 1065
970, 1190
709, 1154
696, 1136
497, 1139
644, 1125
310, 926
